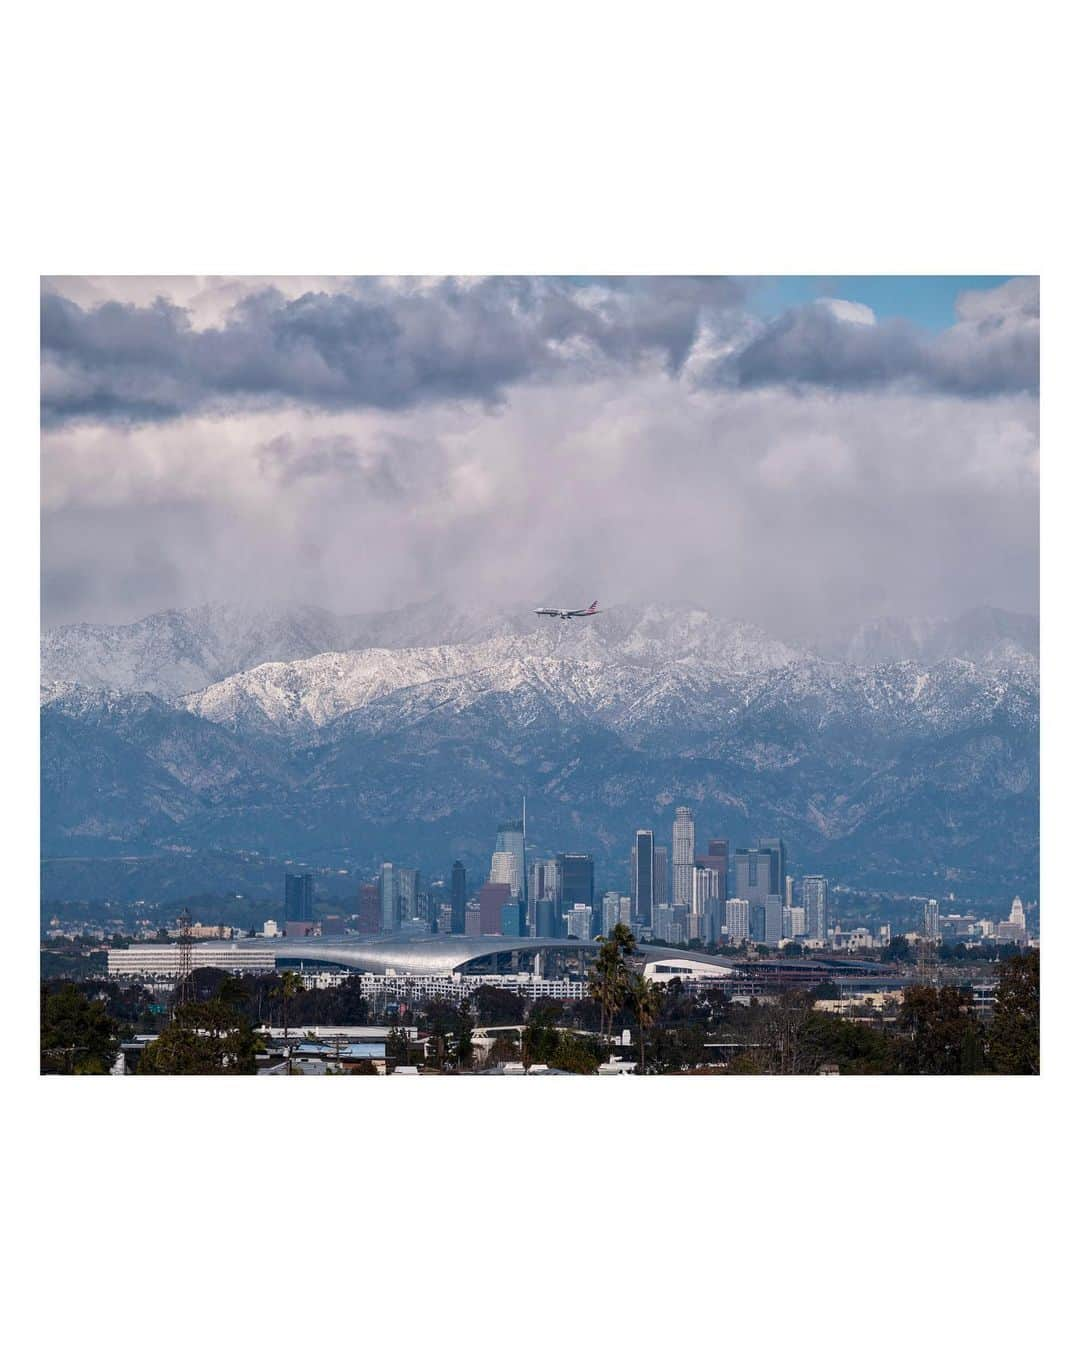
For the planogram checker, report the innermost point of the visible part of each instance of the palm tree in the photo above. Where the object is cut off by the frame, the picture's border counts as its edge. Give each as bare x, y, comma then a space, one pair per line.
608, 978
645, 995
291, 984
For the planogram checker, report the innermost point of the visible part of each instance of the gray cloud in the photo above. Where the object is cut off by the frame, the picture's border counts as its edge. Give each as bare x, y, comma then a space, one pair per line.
379, 344
992, 349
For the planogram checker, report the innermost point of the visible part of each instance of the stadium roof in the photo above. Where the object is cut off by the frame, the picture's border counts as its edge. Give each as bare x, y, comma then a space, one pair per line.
406, 955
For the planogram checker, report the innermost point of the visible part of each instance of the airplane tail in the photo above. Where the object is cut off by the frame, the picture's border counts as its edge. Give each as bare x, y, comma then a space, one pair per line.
592, 607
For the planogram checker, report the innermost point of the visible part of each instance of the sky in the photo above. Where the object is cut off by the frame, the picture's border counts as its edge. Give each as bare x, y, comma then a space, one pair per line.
802, 452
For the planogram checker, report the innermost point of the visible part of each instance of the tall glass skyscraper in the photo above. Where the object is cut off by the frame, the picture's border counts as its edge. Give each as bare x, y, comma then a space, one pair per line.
642, 870
458, 887
754, 874
815, 900
389, 904
575, 881
510, 838
660, 889
778, 865
682, 857
298, 901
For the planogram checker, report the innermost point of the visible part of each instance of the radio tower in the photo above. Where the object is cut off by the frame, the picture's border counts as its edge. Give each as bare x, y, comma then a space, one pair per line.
185, 982
927, 967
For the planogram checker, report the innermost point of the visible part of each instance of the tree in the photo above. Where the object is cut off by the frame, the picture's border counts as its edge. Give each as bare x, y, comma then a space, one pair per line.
576, 1054
786, 1045
610, 974
498, 1006
397, 1049
541, 1038
1014, 1029
463, 1050
645, 998
77, 1034
938, 1021
204, 1038
291, 984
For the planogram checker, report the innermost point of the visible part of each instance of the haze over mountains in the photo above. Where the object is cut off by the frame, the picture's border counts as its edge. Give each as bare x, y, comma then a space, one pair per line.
902, 754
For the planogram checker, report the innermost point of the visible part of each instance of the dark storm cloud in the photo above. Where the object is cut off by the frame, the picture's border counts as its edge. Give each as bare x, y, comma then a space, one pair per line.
377, 345
992, 349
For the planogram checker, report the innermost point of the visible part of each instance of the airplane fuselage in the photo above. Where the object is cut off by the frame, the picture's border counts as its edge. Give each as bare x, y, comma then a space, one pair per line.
568, 613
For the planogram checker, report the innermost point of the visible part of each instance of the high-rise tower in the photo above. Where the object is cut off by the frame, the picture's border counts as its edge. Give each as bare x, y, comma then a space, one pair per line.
682, 857
510, 838
642, 866
458, 887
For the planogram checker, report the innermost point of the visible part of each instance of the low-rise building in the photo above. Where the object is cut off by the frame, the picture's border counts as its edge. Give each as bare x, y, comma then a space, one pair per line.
144, 961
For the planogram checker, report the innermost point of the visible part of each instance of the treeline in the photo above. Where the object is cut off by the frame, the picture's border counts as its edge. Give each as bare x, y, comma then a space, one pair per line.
674, 1029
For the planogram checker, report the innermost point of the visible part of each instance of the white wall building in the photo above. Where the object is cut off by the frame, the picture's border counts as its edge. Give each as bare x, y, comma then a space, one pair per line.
159, 961
737, 912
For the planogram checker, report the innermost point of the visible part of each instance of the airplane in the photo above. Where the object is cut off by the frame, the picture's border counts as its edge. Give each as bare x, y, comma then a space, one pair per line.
569, 613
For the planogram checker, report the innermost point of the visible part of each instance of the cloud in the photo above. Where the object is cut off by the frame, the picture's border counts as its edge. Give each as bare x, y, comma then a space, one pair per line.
512, 440
378, 343
993, 348
785, 507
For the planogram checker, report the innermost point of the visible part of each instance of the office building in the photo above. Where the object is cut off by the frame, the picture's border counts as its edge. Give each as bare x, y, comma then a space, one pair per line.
389, 905
512, 918
794, 922
682, 857
163, 962
670, 924
778, 864
753, 875
368, 916
737, 912
458, 886
932, 920
612, 910
773, 921
815, 901
641, 877
716, 859
545, 918
510, 838
408, 883
504, 870
660, 886
575, 882
543, 884
298, 898
490, 898
473, 921
579, 921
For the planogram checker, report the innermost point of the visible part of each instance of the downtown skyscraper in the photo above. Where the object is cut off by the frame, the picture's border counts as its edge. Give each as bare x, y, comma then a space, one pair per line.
642, 875
682, 857
815, 901
510, 838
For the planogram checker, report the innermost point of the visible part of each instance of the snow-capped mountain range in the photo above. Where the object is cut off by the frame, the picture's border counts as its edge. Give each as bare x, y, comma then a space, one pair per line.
899, 747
